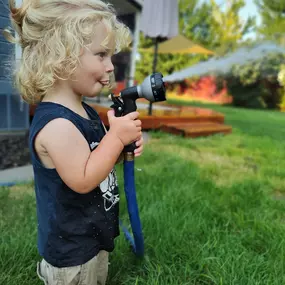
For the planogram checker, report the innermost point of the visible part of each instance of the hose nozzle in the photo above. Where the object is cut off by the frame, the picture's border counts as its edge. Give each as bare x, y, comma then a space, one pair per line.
152, 89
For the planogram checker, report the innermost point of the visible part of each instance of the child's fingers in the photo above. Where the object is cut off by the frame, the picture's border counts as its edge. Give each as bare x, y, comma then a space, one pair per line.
138, 123
139, 142
138, 151
110, 114
132, 116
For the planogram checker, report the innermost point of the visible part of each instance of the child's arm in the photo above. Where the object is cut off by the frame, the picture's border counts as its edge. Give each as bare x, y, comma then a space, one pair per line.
81, 169
120, 158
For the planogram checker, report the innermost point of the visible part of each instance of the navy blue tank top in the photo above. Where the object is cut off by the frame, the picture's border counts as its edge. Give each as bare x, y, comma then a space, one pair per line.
72, 227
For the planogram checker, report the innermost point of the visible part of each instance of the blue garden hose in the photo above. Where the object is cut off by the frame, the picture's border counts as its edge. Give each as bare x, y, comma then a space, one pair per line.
136, 240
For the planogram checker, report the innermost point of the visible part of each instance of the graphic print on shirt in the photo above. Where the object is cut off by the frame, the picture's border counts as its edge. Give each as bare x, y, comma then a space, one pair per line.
93, 145
108, 188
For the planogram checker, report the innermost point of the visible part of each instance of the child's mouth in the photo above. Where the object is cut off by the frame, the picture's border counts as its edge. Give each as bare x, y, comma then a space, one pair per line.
105, 82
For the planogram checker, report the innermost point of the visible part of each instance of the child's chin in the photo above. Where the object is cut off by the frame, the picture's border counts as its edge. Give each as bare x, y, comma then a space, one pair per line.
95, 93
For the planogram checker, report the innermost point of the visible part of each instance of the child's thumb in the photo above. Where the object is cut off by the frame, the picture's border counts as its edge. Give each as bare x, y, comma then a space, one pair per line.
111, 114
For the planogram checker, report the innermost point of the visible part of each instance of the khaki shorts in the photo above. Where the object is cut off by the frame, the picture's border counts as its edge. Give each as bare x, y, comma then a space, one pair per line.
93, 272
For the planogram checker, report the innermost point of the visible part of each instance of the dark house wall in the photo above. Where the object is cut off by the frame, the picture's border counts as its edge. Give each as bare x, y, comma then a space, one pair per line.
13, 112
122, 60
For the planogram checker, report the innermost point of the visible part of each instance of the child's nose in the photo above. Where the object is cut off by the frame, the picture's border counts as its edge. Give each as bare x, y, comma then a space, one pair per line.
109, 66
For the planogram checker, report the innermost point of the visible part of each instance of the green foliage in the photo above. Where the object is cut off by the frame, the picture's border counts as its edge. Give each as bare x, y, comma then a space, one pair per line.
205, 24
227, 28
273, 19
194, 21
166, 64
255, 85
281, 80
282, 104
194, 29
272, 28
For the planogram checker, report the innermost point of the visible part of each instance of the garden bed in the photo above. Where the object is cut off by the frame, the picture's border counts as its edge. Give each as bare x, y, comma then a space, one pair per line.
14, 151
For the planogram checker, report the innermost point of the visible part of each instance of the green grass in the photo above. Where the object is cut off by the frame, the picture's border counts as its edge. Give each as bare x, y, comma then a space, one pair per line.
212, 210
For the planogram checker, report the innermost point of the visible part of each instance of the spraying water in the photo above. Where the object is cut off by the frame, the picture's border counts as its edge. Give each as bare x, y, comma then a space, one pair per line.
223, 65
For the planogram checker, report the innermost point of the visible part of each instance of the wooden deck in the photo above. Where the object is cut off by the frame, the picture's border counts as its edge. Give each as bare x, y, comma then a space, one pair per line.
185, 121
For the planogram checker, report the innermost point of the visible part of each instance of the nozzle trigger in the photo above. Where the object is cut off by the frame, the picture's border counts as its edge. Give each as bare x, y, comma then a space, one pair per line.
117, 105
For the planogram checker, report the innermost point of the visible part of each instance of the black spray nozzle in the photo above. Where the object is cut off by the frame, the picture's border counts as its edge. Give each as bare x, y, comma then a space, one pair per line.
129, 97
152, 89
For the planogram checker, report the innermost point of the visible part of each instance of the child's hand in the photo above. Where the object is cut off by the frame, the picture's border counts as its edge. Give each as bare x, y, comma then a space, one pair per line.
139, 145
127, 129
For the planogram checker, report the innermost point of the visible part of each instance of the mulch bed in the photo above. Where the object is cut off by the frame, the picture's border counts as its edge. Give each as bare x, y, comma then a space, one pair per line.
14, 151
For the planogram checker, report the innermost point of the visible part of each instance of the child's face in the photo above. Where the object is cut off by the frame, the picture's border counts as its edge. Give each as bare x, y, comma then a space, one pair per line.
94, 72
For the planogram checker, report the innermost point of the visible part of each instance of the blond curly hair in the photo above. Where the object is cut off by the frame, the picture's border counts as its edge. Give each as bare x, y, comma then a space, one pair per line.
52, 34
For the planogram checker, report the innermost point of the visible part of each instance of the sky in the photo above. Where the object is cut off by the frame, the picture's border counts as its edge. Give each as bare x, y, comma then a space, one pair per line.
250, 9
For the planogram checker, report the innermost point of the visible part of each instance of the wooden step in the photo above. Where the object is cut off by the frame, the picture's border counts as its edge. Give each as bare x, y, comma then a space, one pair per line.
160, 117
196, 129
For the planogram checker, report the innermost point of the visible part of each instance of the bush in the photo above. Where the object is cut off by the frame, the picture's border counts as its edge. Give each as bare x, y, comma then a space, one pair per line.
281, 79
256, 85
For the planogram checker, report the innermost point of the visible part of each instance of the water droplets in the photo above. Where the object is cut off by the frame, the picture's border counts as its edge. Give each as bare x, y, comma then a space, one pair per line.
224, 64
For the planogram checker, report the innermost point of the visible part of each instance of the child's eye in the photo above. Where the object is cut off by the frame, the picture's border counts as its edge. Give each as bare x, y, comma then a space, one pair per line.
102, 54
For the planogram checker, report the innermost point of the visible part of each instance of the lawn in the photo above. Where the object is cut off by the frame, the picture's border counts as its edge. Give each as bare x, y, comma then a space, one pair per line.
212, 210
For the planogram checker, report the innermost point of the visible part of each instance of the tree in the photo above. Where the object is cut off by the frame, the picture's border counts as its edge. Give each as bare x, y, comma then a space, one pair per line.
193, 24
272, 28
206, 24
255, 84
194, 21
227, 28
273, 19
281, 80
